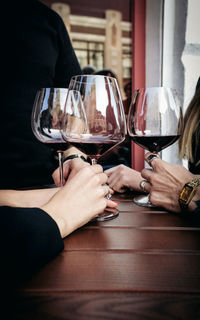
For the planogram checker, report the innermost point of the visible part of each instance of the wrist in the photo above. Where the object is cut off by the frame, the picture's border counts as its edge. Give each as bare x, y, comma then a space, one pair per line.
187, 194
74, 156
61, 223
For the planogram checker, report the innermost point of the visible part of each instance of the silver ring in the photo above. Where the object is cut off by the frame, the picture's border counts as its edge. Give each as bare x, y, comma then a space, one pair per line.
108, 194
142, 185
151, 157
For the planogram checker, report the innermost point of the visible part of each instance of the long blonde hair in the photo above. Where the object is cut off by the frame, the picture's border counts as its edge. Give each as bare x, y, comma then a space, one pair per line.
188, 142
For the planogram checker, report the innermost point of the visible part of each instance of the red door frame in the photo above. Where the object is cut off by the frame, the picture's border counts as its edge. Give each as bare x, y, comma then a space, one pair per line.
138, 67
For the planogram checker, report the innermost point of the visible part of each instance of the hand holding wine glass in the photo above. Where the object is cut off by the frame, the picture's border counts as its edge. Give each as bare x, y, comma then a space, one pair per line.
154, 122
105, 119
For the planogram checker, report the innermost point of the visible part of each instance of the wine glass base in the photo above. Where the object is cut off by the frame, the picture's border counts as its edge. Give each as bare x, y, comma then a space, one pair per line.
143, 201
108, 214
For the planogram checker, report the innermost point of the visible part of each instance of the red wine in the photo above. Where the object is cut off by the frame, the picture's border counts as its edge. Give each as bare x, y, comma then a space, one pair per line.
57, 146
92, 148
155, 143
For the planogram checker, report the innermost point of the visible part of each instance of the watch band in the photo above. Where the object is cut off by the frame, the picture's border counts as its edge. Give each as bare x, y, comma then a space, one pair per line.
187, 193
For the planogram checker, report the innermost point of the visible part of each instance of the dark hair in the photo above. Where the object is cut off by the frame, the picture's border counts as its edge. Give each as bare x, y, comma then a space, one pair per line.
106, 72
198, 84
191, 133
88, 70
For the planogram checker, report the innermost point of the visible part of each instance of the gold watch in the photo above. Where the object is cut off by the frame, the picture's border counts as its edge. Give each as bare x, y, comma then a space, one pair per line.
187, 193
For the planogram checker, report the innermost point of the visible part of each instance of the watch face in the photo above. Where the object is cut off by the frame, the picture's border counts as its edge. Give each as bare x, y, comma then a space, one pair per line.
186, 194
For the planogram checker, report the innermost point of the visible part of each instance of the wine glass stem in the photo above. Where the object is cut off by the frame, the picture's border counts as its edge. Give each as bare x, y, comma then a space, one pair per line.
93, 161
60, 160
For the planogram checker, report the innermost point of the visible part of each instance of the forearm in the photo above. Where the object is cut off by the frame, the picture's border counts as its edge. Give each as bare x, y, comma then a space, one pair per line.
26, 198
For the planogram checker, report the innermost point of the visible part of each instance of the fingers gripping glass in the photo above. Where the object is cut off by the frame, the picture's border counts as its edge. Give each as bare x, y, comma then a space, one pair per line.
154, 122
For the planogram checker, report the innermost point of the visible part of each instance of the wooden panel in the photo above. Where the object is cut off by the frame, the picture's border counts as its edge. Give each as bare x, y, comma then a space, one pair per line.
130, 206
116, 306
108, 271
148, 220
126, 204
151, 220
82, 29
132, 239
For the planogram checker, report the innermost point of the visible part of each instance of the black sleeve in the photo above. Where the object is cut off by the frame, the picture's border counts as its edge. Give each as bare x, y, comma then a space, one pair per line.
29, 238
67, 64
197, 210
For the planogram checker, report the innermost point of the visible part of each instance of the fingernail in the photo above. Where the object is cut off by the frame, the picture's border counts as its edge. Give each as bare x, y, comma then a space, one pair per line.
115, 202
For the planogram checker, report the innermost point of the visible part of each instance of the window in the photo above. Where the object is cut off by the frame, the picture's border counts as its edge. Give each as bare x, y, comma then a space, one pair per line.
89, 53
127, 62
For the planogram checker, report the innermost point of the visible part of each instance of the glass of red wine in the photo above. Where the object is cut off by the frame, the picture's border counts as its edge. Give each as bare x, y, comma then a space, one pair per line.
106, 124
46, 120
154, 122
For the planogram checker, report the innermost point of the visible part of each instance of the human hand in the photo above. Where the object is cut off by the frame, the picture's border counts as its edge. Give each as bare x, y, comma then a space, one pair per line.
80, 200
122, 177
165, 182
70, 168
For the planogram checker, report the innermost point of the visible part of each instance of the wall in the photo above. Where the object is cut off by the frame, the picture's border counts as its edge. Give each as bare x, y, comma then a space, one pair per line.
173, 73
191, 52
154, 12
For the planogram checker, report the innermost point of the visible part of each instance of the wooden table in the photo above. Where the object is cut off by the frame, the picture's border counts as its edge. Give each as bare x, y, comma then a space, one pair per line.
145, 264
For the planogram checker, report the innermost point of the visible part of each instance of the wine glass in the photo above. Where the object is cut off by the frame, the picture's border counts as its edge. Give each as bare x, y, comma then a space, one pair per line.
46, 121
154, 122
106, 125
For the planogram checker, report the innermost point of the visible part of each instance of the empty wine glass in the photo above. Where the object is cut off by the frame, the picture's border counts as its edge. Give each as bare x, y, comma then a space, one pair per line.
154, 122
106, 126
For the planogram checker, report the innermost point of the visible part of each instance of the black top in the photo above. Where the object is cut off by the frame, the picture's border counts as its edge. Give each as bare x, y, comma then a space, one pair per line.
29, 238
194, 166
197, 210
36, 53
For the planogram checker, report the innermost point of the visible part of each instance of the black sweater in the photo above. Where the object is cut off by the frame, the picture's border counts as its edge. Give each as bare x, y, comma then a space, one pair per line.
36, 52
29, 238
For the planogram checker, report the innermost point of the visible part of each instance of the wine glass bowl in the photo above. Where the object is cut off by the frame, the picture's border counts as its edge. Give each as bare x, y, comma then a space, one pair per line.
106, 126
46, 120
154, 122
103, 107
